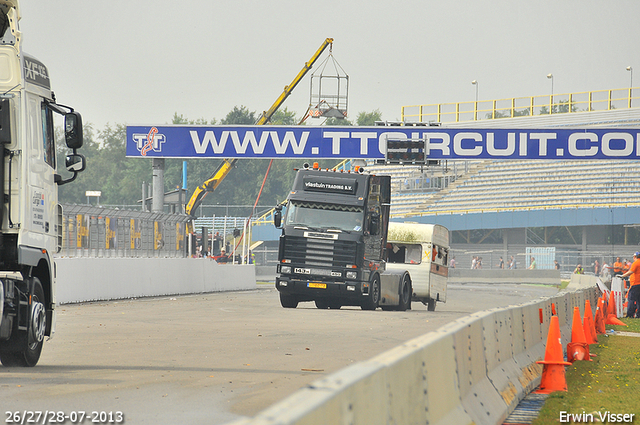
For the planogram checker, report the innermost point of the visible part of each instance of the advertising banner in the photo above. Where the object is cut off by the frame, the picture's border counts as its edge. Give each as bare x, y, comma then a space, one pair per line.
308, 142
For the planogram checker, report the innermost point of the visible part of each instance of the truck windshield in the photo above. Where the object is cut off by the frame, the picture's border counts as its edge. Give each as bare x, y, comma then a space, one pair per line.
324, 216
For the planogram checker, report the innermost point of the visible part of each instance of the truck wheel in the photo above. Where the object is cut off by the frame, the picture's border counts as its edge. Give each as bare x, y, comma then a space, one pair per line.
35, 337
431, 304
372, 301
288, 301
405, 294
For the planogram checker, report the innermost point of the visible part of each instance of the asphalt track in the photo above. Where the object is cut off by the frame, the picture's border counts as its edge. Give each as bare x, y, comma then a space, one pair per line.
212, 358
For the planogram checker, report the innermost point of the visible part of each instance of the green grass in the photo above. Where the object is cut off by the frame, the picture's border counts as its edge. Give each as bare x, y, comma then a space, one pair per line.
611, 382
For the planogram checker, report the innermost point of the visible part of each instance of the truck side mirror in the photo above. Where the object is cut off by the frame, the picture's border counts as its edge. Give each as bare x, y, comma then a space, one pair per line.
75, 163
277, 217
73, 130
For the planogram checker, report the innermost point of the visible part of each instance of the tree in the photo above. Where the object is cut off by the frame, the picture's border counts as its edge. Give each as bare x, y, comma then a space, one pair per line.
369, 118
179, 119
521, 113
559, 107
240, 116
284, 117
337, 122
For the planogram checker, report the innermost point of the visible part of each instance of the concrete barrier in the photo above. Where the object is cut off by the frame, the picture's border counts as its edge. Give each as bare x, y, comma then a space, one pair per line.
545, 277
581, 281
266, 273
472, 371
94, 279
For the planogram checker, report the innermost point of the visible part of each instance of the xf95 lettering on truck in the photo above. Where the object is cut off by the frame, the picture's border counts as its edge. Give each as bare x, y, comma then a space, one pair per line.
333, 249
30, 215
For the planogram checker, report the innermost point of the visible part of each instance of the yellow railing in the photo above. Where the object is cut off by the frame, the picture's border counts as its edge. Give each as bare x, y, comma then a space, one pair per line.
600, 100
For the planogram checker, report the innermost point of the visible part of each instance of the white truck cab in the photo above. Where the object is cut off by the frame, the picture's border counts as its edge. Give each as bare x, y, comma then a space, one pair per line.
30, 215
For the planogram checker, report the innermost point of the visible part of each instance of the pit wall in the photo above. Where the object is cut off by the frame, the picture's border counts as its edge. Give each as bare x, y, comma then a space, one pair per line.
545, 277
95, 279
472, 371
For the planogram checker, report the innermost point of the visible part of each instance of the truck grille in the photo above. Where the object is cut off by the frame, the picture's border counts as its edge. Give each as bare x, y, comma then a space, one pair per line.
319, 252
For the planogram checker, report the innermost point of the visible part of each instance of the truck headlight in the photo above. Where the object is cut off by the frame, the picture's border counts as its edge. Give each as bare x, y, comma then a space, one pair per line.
285, 269
352, 275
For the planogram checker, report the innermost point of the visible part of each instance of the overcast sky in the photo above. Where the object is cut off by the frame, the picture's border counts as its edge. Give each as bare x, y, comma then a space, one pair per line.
139, 61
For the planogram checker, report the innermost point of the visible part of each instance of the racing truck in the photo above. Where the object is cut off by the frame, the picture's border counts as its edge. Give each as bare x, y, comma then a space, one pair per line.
30, 215
333, 249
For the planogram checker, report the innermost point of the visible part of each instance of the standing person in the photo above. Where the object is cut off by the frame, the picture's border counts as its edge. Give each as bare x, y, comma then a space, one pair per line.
633, 309
578, 269
223, 258
532, 266
605, 273
501, 263
556, 264
474, 262
512, 263
618, 267
452, 263
596, 268
479, 263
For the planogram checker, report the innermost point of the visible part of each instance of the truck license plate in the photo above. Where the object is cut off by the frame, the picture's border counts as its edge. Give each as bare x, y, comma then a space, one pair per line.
317, 285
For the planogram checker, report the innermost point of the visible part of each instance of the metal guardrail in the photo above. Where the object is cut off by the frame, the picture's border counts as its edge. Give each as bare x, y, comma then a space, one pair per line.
89, 231
599, 100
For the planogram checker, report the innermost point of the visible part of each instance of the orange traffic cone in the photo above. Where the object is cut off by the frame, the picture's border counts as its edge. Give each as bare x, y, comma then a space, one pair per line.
600, 325
589, 325
577, 349
553, 378
611, 307
612, 317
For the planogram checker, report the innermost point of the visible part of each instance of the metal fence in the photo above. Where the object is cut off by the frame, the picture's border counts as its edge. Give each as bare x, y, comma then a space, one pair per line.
599, 100
90, 231
568, 259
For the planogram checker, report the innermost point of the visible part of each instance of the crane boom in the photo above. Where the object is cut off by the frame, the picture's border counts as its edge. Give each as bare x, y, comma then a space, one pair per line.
266, 116
225, 167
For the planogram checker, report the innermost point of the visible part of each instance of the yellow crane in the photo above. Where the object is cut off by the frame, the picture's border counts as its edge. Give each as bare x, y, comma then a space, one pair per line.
227, 164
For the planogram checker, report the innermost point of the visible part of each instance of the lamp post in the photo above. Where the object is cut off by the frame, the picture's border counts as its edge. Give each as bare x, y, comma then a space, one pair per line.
550, 76
630, 84
475, 112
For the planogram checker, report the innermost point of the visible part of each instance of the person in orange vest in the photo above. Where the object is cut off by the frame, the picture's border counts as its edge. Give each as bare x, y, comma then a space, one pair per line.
618, 267
633, 308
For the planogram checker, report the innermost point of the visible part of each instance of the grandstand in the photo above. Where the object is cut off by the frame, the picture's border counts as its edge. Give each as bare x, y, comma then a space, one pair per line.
509, 185
584, 209
465, 187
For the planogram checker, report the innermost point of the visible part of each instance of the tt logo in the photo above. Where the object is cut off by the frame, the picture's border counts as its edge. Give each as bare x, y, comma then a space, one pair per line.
151, 141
